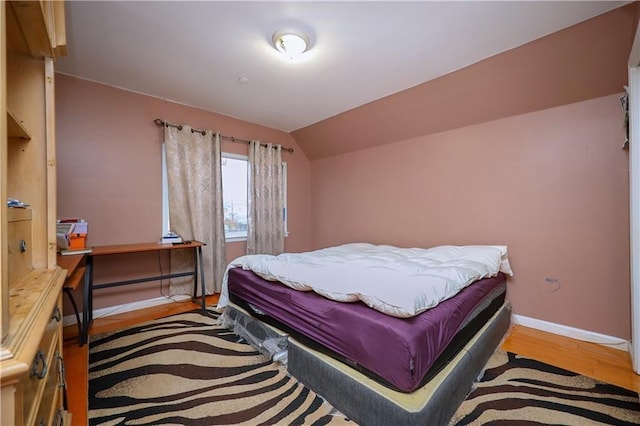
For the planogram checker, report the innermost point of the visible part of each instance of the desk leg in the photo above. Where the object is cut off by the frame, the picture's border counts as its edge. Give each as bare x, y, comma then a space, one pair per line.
87, 301
204, 294
195, 272
69, 292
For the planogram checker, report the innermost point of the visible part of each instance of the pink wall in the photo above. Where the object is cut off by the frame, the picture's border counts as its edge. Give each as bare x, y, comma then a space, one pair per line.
552, 185
523, 149
109, 173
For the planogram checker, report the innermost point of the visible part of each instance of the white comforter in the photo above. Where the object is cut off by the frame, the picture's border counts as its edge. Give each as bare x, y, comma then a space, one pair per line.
401, 282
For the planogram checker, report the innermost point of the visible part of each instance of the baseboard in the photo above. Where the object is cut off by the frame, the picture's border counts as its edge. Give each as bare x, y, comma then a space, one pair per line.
127, 307
573, 333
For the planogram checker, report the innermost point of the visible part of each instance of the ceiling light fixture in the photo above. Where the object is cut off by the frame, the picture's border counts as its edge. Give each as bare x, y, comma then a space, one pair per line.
291, 43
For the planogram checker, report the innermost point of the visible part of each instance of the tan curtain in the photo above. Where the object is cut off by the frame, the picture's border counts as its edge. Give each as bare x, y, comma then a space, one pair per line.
195, 203
266, 200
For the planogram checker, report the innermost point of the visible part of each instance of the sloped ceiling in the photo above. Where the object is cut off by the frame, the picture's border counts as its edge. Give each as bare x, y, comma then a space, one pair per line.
196, 52
585, 61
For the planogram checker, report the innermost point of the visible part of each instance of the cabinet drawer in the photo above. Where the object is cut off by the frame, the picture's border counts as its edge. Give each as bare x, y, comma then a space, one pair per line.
19, 241
53, 329
44, 369
51, 401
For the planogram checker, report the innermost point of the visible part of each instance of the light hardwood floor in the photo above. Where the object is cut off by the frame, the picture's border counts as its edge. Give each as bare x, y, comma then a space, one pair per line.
600, 362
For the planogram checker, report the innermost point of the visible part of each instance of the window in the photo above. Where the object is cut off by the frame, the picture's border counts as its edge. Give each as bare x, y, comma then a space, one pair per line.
235, 191
235, 196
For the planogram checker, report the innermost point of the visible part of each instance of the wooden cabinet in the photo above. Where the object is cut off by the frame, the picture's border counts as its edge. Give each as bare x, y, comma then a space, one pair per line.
31, 361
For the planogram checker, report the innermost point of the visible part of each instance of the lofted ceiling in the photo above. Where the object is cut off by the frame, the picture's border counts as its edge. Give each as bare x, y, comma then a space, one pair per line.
197, 53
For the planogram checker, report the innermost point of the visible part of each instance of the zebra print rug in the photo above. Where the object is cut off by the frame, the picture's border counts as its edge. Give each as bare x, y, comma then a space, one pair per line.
517, 390
184, 369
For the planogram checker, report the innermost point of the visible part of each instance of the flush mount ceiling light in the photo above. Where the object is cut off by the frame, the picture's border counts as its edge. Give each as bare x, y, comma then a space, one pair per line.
292, 43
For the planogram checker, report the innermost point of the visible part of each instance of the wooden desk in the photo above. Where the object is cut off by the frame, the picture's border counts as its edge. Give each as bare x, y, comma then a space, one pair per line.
87, 309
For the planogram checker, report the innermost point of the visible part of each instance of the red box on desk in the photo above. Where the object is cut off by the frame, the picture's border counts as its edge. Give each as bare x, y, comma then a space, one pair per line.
77, 241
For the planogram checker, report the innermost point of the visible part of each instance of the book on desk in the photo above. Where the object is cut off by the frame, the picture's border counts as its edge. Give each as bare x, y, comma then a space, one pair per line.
71, 252
171, 238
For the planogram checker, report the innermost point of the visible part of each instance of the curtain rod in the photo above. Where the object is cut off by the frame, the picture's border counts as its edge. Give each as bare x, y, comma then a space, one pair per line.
161, 122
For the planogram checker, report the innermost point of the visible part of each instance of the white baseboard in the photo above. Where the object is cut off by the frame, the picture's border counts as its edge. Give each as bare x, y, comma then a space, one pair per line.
574, 333
127, 307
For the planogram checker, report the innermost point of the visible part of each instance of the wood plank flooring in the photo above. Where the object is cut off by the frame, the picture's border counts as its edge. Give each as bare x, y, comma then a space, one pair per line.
589, 359
600, 362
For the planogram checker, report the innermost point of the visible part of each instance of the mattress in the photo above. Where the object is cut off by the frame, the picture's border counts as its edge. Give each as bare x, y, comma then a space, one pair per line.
401, 353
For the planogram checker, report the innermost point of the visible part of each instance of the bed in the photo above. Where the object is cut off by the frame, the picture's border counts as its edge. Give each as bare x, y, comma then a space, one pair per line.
393, 350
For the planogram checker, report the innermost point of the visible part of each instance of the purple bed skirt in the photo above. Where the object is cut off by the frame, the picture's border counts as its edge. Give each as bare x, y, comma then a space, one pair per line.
400, 351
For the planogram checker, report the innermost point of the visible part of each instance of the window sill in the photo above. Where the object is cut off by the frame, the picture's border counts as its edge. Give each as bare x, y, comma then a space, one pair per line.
235, 239
240, 239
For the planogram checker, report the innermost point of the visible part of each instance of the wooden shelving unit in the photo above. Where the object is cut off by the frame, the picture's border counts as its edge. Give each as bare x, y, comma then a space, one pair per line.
31, 37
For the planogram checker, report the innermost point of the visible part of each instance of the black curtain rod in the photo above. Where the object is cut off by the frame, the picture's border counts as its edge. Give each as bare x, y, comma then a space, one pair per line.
161, 122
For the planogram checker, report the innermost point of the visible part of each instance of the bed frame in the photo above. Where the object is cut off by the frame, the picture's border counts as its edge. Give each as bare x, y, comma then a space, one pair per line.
367, 402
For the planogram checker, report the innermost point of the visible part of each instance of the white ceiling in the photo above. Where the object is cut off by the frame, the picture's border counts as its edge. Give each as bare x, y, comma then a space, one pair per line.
195, 52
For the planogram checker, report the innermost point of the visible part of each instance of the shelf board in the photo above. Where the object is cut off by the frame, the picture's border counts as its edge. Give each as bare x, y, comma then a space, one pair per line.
37, 28
31, 27
15, 128
15, 214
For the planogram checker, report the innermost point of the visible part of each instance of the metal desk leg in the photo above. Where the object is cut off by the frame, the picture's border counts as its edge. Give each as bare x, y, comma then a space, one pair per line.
204, 294
87, 301
195, 272
69, 292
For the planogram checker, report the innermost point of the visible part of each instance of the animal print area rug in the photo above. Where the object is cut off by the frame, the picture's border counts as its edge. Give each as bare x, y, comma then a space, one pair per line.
186, 370
517, 391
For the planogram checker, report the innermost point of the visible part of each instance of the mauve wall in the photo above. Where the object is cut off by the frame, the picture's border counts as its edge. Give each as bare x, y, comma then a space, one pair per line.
522, 149
552, 185
109, 173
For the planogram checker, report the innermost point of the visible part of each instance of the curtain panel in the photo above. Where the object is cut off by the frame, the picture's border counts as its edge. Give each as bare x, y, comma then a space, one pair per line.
194, 177
266, 200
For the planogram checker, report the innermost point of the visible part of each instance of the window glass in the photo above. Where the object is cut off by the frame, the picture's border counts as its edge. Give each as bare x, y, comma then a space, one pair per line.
234, 195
